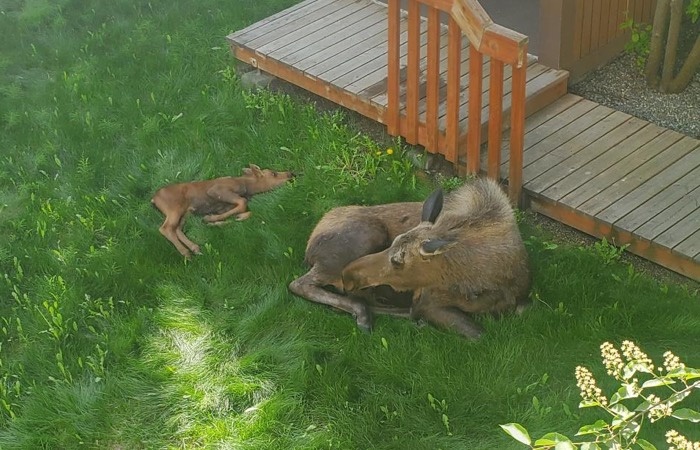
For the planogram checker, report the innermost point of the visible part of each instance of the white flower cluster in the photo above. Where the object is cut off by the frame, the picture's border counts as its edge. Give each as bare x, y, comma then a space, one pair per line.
587, 384
612, 360
672, 362
680, 442
658, 410
634, 354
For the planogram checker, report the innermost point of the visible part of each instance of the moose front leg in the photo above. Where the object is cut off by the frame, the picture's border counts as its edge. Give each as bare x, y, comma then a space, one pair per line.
310, 287
430, 307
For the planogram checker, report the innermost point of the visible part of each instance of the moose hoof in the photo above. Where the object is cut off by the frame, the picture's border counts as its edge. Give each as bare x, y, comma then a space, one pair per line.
364, 321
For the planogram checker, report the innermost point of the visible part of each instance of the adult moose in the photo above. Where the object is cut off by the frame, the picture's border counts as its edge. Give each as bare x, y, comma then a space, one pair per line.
465, 256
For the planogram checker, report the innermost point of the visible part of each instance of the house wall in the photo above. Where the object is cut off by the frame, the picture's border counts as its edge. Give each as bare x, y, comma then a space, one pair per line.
581, 35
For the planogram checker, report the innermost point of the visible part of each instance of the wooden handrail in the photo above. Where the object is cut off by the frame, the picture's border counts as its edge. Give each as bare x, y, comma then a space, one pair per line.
501, 45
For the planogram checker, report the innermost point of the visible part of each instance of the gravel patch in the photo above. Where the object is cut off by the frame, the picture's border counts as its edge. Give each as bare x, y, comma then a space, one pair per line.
620, 85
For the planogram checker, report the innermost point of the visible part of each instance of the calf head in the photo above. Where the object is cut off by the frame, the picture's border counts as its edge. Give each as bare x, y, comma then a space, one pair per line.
409, 264
262, 180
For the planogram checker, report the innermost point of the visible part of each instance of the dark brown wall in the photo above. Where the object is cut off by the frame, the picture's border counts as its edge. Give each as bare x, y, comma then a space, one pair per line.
580, 35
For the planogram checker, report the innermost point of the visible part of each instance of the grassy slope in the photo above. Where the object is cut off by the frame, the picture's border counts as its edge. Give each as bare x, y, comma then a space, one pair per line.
109, 340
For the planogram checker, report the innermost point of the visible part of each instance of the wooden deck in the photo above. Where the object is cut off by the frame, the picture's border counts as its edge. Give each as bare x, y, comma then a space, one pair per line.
338, 50
613, 175
601, 171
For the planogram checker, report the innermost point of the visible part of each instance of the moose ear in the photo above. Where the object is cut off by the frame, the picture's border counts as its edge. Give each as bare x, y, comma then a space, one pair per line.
432, 206
432, 247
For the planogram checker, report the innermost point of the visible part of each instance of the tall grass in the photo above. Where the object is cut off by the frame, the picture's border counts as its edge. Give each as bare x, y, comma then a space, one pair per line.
109, 339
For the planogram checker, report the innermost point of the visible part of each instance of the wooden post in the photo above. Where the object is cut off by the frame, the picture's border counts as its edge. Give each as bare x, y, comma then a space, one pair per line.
557, 25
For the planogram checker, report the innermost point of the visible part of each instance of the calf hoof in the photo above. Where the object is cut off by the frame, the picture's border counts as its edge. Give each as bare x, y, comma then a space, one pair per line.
243, 216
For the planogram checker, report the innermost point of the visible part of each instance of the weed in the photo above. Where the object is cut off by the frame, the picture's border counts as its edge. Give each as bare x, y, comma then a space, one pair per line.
608, 252
640, 40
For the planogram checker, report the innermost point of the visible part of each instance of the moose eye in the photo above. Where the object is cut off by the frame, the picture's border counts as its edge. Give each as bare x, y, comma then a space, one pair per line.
274, 174
396, 262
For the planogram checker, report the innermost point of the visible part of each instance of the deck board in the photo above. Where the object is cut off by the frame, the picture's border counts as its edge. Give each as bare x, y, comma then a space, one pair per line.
579, 171
641, 187
612, 128
680, 230
638, 186
691, 246
658, 213
596, 169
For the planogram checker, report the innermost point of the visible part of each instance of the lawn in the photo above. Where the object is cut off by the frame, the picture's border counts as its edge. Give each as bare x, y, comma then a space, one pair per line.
109, 339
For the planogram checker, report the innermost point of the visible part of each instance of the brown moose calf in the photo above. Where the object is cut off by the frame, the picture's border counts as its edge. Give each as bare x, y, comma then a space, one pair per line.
464, 257
216, 200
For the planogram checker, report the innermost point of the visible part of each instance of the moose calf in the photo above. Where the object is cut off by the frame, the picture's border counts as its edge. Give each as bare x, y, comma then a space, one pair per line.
216, 200
462, 257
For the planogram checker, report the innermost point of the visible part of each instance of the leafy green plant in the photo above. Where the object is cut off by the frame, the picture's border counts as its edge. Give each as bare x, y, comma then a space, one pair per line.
640, 40
608, 251
646, 393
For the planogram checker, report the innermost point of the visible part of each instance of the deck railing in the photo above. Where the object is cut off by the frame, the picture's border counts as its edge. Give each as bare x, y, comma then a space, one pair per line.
501, 45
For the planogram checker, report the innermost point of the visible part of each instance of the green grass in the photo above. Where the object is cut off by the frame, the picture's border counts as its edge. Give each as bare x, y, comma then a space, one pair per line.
109, 339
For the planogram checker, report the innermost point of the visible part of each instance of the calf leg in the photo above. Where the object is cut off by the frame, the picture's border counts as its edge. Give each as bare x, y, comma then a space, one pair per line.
172, 231
237, 209
310, 287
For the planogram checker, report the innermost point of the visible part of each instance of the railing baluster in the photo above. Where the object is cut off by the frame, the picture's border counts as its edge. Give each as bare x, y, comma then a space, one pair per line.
502, 46
412, 72
474, 119
454, 53
517, 134
433, 81
495, 118
392, 114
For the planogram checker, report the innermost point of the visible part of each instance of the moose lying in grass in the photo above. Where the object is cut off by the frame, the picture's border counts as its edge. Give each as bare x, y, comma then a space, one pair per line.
441, 265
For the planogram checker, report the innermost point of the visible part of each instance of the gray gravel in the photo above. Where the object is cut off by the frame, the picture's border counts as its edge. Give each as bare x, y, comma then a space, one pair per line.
620, 85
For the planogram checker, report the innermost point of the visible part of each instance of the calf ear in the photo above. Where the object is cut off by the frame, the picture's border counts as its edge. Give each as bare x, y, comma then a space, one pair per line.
255, 170
432, 247
432, 206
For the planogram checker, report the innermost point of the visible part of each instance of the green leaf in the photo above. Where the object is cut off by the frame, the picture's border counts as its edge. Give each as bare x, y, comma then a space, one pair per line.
628, 390
517, 432
554, 439
645, 445
684, 373
656, 382
592, 428
588, 403
686, 414
621, 410
643, 406
590, 446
